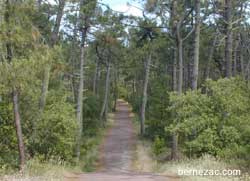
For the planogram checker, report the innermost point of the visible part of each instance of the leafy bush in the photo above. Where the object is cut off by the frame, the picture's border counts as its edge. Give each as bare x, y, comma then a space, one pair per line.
91, 112
122, 92
158, 146
55, 135
216, 122
8, 139
156, 114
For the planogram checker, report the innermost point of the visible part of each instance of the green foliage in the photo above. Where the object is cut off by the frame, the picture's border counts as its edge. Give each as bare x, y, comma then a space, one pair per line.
55, 136
136, 103
91, 112
158, 146
215, 122
122, 92
90, 151
8, 136
156, 114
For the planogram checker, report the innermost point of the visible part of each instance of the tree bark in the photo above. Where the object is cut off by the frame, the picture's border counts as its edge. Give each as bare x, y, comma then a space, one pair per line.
18, 129
173, 33
179, 43
116, 89
210, 57
96, 77
145, 95
7, 20
235, 57
228, 40
80, 94
103, 115
174, 88
174, 150
242, 69
72, 89
54, 35
45, 86
180, 57
196, 45
73, 62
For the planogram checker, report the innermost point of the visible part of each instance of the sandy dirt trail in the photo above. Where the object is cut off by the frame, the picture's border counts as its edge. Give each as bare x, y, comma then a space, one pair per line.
117, 153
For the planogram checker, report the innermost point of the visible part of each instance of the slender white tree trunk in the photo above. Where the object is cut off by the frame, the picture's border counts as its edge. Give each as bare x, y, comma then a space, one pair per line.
145, 95
103, 114
180, 57
228, 40
196, 45
80, 95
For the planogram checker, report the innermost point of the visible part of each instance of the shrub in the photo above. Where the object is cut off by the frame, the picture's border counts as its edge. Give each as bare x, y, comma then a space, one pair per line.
158, 146
91, 112
56, 130
216, 122
156, 114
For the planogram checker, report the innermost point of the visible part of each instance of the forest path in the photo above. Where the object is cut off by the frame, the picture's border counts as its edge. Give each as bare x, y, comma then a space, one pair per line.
117, 152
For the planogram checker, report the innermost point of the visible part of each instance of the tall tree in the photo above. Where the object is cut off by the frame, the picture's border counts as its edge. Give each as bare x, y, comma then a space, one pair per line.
196, 45
10, 6
103, 114
173, 9
86, 10
53, 41
228, 39
19, 133
145, 94
178, 25
80, 88
147, 34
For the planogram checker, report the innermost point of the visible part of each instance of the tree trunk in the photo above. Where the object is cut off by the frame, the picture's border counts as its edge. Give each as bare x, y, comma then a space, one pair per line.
54, 39
96, 77
45, 87
98, 80
145, 95
228, 40
73, 62
188, 69
235, 57
179, 40
174, 150
116, 89
54, 35
72, 88
175, 71
105, 101
16, 111
196, 45
7, 21
18, 129
180, 57
242, 68
80, 94
210, 57
175, 53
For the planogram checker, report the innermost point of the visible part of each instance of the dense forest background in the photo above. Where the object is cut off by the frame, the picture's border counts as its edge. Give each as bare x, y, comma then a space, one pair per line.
184, 66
